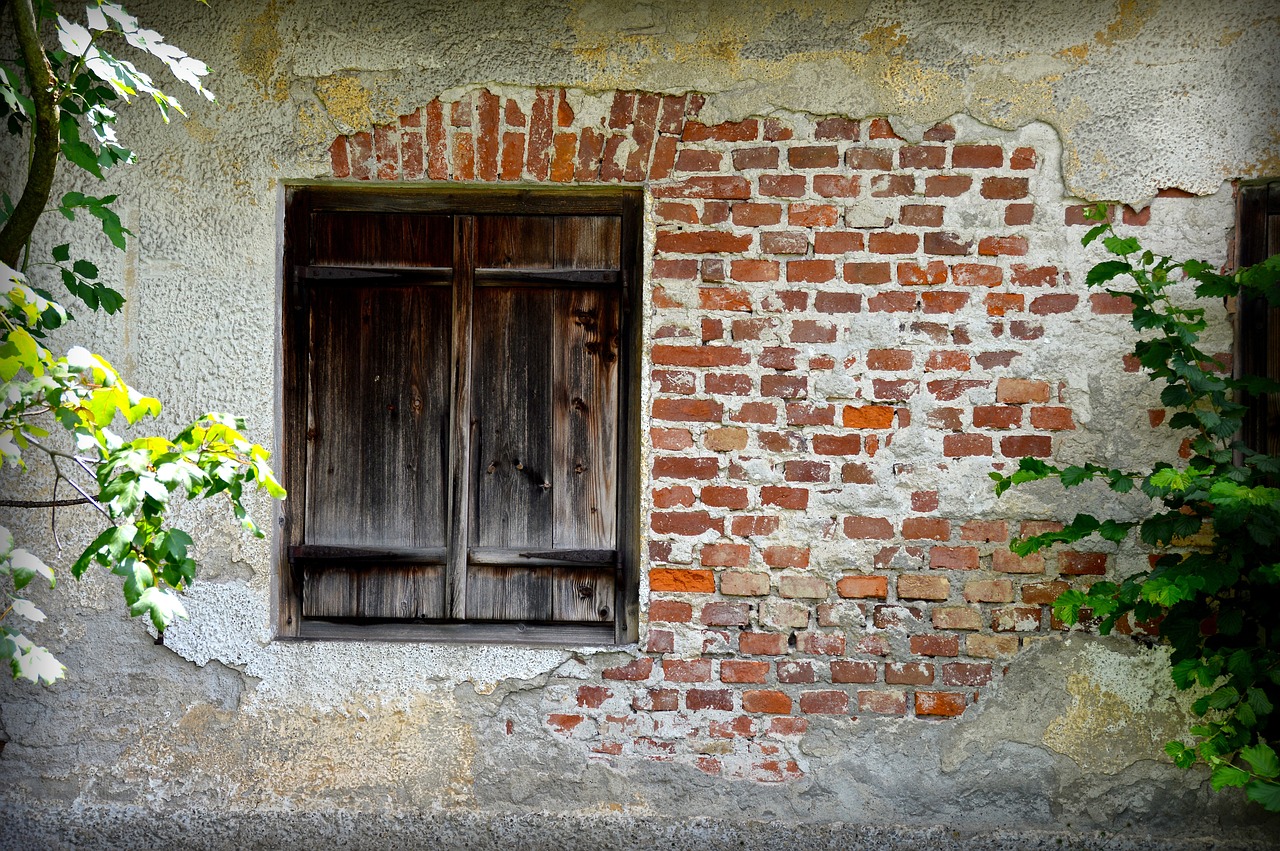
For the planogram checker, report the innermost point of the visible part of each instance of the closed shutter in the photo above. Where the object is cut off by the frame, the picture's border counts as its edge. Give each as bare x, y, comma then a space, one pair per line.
461, 416
1258, 330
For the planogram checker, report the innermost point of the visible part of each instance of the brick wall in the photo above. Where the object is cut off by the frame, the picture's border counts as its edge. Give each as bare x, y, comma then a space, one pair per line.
820, 290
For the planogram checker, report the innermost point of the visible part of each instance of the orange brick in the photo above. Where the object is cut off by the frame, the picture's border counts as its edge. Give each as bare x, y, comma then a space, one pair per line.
863, 586
675, 579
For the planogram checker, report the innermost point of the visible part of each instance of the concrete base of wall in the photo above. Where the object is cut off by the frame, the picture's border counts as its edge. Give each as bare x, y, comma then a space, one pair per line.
140, 830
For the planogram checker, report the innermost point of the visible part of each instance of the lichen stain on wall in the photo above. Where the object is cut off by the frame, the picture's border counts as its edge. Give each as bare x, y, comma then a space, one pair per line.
259, 53
1121, 711
361, 755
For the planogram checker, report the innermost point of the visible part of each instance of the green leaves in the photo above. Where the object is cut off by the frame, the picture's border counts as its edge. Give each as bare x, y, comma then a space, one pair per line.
100, 209
1214, 522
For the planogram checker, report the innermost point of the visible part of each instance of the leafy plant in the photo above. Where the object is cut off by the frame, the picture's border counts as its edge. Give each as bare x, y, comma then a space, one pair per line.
61, 410
1214, 587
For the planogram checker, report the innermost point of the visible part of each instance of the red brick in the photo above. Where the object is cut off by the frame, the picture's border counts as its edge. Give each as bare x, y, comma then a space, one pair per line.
681, 496
1019, 391
723, 613
811, 271
836, 302
830, 444
1105, 304
740, 727
1034, 276
678, 579
944, 704
836, 185
1046, 305
786, 556
719, 496
977, 156
1004, 188
867, 273
997, 416
686, 670
989, 591
1022, 158
946, 185
994, 246
1019, 214
985, 530
1034, 445
953, 558
755, 215
340, 165
885, 242
783, 185
869, 159
636, 669
685, 468
926, 528
795, 498
741, 583
909, 673
966, 445
1072, 563
824, 703
935, 645
802, 413
729, 131
784, 242
803, 470
1016, 619
593, 696
941, 360
748, 158
915, 586
920, 215
724, 555
1043, 593
564, 724
837, 128
950, 389
684, 523
743, 671
1052, 419
892, 302
747, 526
792, 671
868, 416
726, 187
859, 587
966, 674
698, 159
999, 304
868, 527
762, 644
889, 359
701, 242
766, 701
977, 275
956, 617
922, 156
731, 385
846, 671
913, 275
755, 412
816, 156
943, 301
947, 244
669, 611
671, 438
696, 699
892, 185
882, 702
1004, 561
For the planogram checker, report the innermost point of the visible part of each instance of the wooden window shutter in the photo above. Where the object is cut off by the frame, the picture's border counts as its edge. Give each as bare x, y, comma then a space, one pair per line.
1258, 324
459, 387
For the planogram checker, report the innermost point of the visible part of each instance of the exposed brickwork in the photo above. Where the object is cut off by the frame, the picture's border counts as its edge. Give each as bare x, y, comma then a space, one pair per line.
818, 290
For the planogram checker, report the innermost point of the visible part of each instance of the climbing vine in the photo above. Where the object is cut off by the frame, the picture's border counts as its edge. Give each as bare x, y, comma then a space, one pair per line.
71, 415
1214, 583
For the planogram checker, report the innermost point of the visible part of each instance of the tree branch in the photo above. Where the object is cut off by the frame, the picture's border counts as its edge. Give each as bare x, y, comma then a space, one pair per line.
44, 159
42, 503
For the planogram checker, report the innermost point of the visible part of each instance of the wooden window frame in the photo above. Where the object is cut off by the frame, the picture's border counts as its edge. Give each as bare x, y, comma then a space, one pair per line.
1257, 323
463, 203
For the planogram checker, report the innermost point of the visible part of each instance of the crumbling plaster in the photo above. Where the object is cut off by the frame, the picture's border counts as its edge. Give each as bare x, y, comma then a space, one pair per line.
1126, 97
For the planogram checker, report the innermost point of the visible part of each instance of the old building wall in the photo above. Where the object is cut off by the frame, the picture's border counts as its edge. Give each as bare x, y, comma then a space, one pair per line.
863, 292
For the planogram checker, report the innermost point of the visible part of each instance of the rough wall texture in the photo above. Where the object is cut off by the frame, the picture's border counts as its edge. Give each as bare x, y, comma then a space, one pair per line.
850, 320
